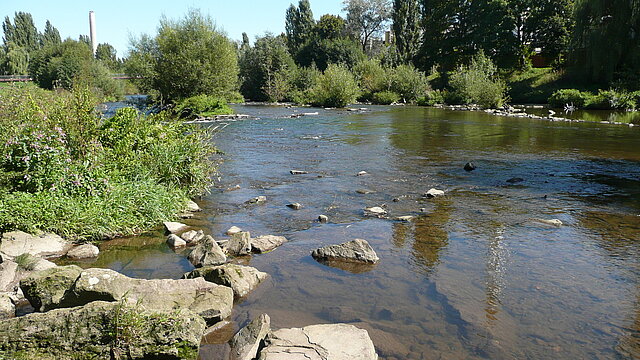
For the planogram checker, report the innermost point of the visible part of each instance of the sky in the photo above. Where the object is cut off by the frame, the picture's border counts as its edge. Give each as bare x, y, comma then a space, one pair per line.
117, 20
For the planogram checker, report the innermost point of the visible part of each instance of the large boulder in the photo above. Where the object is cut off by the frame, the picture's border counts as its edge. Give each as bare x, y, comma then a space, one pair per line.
319, 342
239, 244
17, 243
357, 250
47, 289
266, 243
246, 343
102, 330
85, 251
8, 274
212, 302
207, 253
242, 279
7, 308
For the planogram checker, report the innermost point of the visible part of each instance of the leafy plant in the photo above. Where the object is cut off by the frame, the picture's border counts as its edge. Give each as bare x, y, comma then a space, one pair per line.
385, 98
336, 87
477, 83
202, 106
574, 97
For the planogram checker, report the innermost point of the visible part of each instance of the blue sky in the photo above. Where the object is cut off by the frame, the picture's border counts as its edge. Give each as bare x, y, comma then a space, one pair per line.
117, 19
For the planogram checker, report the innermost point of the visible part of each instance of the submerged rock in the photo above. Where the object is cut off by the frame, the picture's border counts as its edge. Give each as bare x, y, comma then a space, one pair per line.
17, 243
257, 200
246, 343
207, 253
175, 227
469, 166
295, 206
362, 173
175, 241
242, 279
323, 219
405, 218
239, 244
86, 251
375, 211
515, 180
266, 243
357, 250
365, 191
319, 342
553, 222
298, 172
87, 332
433, 193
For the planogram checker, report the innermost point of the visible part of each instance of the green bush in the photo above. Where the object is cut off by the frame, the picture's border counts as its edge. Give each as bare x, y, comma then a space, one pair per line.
372, 77
385, 98
63, 170
432, 98
202, 106
336, 87
477, 83
409, 83
573, 97
612, 100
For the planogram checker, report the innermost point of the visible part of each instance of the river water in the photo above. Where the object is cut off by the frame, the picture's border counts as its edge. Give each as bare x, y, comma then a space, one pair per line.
474, 276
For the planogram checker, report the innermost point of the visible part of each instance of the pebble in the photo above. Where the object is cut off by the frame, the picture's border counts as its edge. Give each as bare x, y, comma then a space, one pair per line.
295, 206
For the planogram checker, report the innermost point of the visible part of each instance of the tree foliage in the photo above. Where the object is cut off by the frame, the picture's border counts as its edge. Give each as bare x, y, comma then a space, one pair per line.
21, 32
299, 25
264, 68
187, 57
607, 38
51, 35
366, 18
406, 28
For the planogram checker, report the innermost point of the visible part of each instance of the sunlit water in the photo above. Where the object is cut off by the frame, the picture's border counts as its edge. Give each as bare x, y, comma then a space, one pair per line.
474, 276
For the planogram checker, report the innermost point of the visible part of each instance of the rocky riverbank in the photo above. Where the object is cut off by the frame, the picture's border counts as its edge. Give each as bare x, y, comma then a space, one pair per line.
100, 313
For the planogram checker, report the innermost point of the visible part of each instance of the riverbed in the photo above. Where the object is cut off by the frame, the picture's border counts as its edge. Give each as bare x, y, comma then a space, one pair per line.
474, 275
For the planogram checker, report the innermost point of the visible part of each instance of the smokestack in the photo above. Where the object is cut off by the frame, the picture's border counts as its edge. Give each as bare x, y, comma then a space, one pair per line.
92, 31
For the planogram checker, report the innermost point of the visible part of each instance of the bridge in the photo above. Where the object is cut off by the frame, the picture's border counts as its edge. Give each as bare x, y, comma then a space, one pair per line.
25, 78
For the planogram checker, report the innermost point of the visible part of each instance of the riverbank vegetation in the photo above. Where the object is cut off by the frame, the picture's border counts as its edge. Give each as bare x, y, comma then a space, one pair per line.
66, 170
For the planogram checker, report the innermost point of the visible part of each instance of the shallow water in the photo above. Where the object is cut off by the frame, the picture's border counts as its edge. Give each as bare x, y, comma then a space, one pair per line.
474, 275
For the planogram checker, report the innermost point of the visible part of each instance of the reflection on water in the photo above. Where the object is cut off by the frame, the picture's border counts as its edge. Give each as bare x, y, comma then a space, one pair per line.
472, 276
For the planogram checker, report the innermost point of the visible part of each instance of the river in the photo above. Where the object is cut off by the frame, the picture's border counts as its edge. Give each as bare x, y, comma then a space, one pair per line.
474, 276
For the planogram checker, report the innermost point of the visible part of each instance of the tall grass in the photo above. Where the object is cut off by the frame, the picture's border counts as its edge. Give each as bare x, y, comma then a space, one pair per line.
66, 170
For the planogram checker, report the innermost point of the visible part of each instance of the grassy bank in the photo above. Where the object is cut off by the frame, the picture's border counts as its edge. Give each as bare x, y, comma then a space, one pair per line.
66, 170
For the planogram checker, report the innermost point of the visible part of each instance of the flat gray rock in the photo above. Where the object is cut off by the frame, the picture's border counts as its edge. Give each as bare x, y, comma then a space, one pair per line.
211, 301
86, 251
8, 273
175, 241
207, 253
242, 279
17, 243
357, 250
433, 193
192, 206
266, 243
193, 236
245, 344
175, 227
319, 342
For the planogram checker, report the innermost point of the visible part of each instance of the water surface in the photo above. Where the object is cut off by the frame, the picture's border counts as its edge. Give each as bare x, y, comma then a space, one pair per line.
474, 276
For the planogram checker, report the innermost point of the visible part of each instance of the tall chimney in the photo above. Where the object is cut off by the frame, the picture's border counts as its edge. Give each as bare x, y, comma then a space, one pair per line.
92, 30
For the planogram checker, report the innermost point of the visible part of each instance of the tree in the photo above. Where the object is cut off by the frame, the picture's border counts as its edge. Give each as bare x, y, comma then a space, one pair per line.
406, 28
299, 24
51, 36
22, 32
107, 54
263, 69
606, 38
187, 57
330, 27
16, 60
544, 24
366, 18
